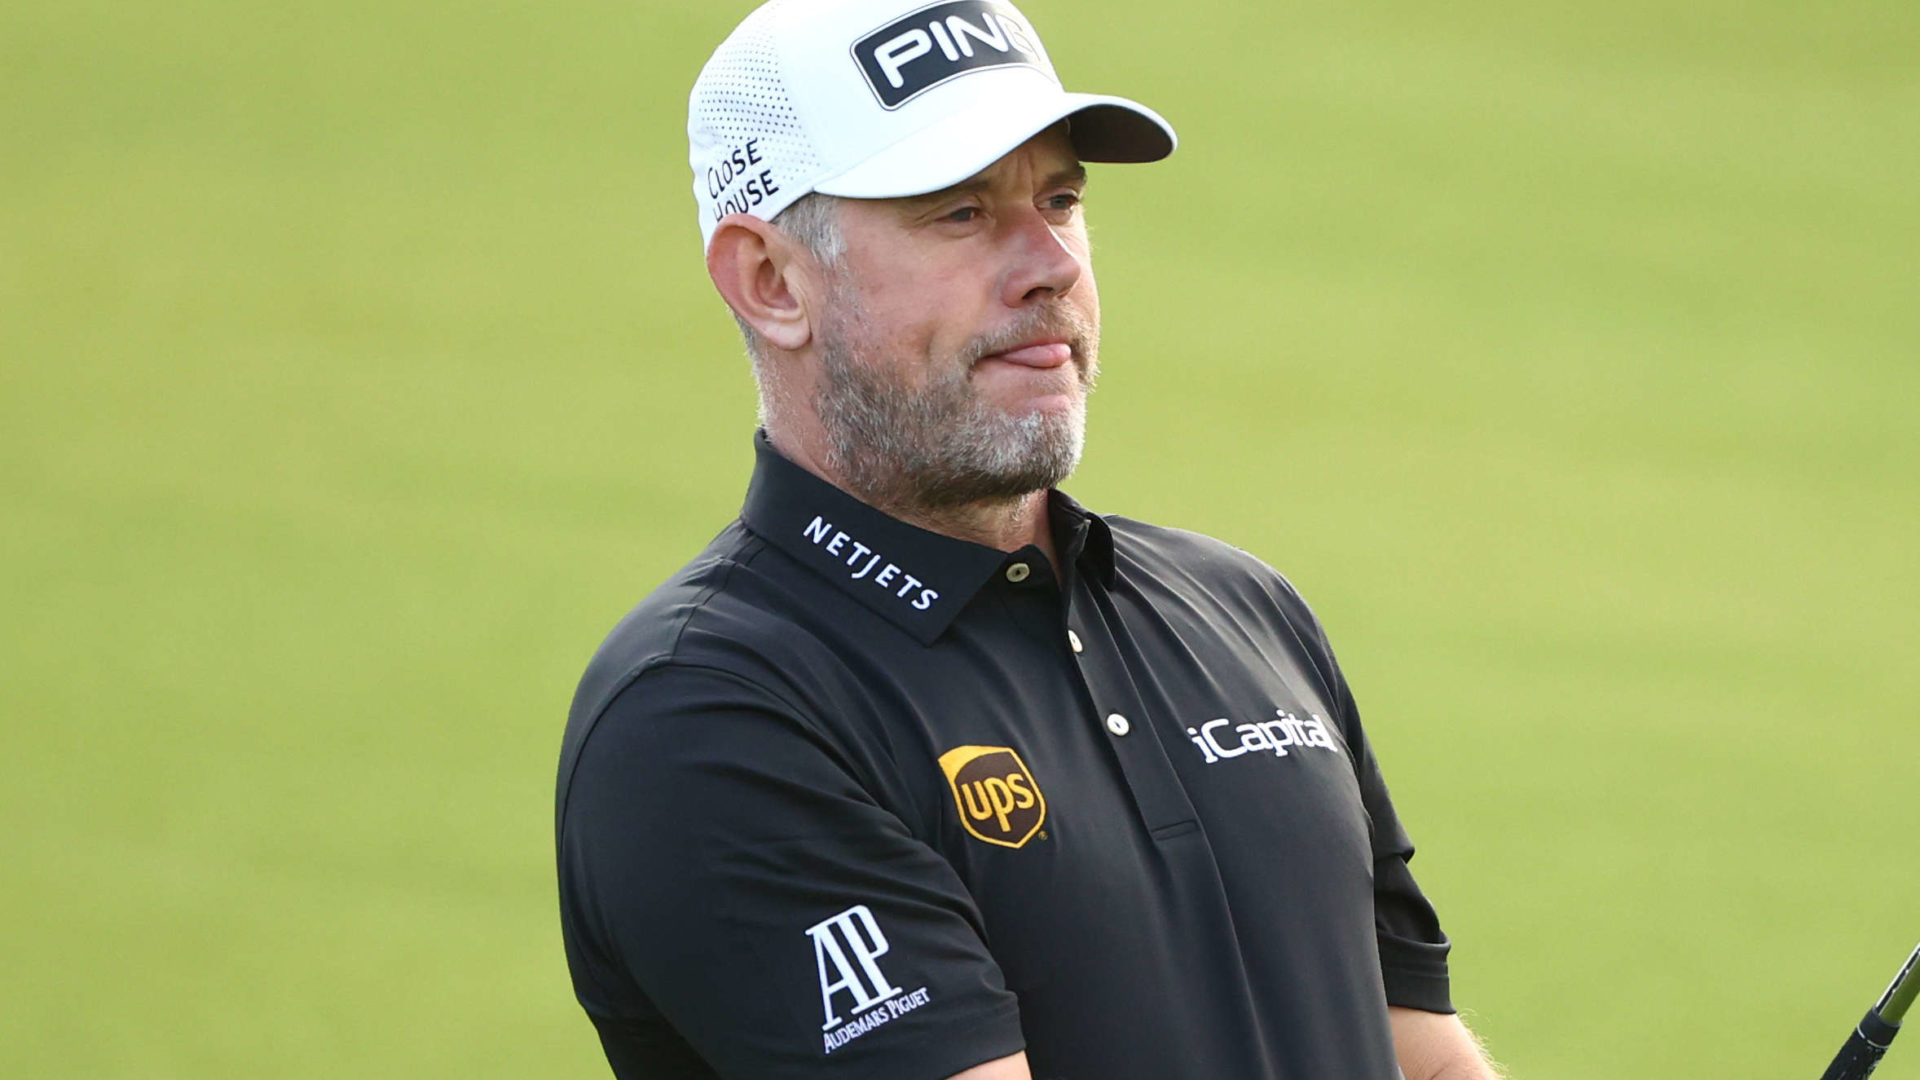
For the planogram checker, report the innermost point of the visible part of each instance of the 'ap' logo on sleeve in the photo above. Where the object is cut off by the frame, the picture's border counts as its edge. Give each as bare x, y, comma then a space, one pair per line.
847, 949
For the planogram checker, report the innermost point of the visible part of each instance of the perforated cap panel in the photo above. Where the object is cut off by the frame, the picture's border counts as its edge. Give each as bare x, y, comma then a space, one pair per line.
749, 151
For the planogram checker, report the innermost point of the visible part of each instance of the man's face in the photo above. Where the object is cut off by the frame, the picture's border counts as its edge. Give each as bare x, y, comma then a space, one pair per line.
961, 336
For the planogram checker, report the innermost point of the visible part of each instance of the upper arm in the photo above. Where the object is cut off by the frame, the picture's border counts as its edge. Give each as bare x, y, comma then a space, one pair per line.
1006, 1068
724, 870
1413, 947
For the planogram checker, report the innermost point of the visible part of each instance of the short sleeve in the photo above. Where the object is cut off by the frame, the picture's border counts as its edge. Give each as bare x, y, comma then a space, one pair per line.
732, 892
1413, 947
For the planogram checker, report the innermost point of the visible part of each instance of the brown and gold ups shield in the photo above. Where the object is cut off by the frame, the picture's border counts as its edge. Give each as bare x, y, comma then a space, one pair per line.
998, 800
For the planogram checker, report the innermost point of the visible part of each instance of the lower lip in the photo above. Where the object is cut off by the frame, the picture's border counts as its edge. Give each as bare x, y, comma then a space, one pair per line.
1035, 387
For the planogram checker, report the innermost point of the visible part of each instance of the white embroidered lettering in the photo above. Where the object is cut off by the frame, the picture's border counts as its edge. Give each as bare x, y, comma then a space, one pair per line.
863, 562
1278, 736
1205, 750
847, 949
962, 30
1281, 735
901, 51
1252, 738
946, 43
1206, 732
856, 929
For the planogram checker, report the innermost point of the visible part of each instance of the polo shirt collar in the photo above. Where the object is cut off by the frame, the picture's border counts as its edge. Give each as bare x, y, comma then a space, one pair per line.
1083, 537
916, 579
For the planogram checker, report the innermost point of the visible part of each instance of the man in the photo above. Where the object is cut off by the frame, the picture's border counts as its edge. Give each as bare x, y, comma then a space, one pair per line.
921, 770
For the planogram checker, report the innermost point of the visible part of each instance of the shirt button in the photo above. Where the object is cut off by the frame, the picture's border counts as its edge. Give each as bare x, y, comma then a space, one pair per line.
1118, 724
1073, 642
1018, 572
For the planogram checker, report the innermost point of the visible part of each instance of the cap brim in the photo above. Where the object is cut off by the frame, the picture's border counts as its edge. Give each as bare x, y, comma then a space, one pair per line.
1104, 129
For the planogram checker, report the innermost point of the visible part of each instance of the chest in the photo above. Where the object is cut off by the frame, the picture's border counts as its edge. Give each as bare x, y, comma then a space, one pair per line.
1107, 752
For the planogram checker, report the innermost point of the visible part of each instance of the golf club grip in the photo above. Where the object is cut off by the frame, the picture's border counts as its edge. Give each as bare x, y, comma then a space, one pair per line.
1864, 1049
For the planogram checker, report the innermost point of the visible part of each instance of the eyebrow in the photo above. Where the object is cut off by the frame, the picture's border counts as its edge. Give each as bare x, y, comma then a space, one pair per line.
1071, 174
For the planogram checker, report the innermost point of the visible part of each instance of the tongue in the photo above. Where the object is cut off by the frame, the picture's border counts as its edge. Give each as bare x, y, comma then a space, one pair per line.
1037, 355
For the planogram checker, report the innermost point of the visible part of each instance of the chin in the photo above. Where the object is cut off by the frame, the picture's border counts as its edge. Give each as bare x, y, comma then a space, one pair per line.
1049, 405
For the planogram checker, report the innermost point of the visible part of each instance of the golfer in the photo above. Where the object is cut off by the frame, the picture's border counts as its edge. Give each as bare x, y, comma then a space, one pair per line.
922, 770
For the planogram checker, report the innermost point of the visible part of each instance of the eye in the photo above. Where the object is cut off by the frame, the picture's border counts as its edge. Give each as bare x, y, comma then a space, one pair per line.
1065, 200
962, 215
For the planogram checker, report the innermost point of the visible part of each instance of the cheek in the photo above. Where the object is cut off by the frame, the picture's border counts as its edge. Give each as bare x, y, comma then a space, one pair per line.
907, 341
927, 327
1085, 295
892, 322
1084, 289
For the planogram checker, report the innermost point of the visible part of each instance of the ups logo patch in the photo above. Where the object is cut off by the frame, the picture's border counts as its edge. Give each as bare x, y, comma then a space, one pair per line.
998, 799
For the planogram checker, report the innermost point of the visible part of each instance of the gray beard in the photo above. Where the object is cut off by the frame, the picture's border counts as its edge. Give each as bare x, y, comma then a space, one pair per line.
941, 447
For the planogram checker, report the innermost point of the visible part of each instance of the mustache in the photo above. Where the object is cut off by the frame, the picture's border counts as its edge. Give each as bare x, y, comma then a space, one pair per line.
1061, 322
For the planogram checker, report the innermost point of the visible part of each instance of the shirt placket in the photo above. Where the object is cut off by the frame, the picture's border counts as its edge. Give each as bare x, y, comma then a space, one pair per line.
1112, 703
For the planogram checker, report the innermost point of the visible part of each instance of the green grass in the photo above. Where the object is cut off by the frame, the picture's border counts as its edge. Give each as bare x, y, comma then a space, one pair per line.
357, 370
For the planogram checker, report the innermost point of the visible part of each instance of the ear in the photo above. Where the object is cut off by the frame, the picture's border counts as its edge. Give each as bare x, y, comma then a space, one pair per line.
762, 277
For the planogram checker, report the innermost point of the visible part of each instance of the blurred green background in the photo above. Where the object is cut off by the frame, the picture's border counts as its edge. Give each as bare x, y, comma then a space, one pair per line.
358, 369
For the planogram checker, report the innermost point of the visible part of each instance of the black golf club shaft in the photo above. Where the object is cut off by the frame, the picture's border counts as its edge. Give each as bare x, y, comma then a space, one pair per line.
1870, 1039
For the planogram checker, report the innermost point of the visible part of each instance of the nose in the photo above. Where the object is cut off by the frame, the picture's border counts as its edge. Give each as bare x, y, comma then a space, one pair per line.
1040, 265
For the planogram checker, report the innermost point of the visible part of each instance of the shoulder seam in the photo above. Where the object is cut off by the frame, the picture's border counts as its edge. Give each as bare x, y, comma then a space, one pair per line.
633, 673
1318, 650
666, 655
729, 676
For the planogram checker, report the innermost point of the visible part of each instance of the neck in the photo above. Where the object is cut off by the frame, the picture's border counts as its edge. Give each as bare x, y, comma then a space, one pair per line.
1001, 524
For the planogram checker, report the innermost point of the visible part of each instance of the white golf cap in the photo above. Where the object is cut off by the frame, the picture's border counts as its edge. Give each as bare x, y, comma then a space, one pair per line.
875, 99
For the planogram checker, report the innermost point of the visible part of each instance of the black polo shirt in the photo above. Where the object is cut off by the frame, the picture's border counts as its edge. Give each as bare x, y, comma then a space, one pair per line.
846, 798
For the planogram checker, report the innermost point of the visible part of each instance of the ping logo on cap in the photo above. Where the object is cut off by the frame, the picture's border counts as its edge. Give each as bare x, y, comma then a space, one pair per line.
914, 54
998, 799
